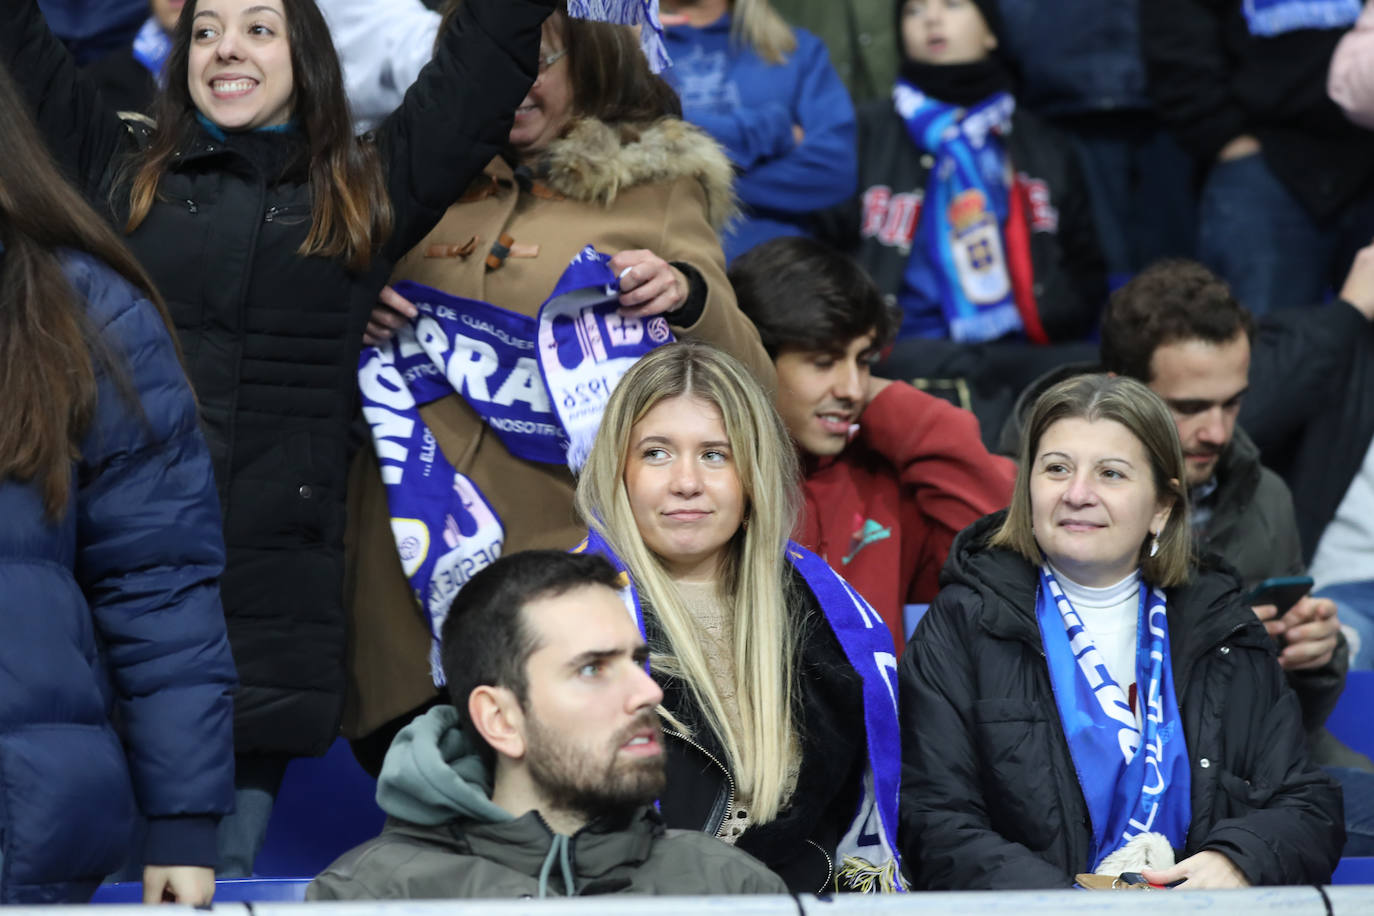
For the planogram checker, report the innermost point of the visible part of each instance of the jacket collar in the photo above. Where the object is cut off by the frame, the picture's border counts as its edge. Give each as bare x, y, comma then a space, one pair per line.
1203, 613
524, 843
1237, 475
594, 162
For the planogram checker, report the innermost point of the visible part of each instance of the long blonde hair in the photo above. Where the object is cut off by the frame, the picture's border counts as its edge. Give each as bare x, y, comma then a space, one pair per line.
755, 23
756, 581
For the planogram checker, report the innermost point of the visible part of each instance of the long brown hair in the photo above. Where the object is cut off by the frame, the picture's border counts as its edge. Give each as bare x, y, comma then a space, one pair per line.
49, 354
351, 213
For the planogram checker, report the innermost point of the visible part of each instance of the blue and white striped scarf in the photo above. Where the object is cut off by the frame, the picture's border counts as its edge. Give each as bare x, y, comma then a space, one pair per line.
958, 258
641, 13
1132, 782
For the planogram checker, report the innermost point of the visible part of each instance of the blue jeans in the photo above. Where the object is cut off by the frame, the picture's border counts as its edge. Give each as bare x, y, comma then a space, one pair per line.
1355, 608
1256, 235
256, 781
1140, 183
1358, 788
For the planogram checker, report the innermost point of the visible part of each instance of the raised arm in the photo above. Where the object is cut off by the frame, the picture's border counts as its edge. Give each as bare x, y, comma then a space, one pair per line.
149, 560
82, 133
383, 45
458, 114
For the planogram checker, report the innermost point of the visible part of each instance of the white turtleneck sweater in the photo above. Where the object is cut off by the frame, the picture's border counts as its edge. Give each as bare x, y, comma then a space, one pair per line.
1111, 615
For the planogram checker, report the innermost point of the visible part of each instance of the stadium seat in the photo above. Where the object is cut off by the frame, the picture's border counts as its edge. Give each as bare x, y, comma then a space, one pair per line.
326, 806
911, 615
1354, 871
1351, 721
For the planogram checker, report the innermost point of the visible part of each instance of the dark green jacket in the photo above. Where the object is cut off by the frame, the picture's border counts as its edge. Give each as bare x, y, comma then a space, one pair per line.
471, 859
446, 838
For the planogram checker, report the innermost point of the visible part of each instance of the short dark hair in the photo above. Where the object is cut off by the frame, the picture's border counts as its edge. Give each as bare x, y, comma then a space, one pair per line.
804, 295
485, 639
1169, 301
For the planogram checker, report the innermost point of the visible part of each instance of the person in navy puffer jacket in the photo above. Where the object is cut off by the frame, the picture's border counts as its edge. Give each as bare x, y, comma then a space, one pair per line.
115, 675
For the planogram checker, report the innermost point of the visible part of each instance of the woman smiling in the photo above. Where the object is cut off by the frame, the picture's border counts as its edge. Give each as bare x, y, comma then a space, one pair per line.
1084, 696
270, 229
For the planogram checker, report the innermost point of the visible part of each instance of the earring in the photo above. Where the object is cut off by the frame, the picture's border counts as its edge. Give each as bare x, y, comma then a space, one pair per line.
1154, 545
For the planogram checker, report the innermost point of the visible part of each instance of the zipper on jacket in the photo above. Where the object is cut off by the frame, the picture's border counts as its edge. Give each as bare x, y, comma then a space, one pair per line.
191, 206
829, 865
729, 780
274, 212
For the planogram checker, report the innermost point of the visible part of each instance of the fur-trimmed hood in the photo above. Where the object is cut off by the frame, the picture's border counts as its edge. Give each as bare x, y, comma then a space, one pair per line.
595, 161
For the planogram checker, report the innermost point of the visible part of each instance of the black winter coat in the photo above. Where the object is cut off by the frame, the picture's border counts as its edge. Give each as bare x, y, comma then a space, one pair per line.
1213, 81
877, 227
272, 339
799, 845
1310, 410
989, 794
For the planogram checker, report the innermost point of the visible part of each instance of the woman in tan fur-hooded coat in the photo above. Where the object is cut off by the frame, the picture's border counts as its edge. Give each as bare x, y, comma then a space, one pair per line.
598, 157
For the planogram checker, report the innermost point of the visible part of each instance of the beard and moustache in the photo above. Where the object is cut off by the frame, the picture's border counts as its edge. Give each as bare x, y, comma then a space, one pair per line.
575, 778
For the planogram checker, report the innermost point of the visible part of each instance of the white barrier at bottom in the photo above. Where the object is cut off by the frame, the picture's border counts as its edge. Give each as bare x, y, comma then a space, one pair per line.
1348, 900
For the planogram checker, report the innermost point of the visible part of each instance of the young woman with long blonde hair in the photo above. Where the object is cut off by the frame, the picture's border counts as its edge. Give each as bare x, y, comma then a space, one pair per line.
764, 654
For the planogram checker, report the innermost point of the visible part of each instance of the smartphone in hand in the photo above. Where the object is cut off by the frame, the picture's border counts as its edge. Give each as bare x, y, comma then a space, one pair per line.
1282, 592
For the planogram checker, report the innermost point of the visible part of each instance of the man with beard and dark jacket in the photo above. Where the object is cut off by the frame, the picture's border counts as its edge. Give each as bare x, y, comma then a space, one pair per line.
539, 780
1287, 198
1177, 328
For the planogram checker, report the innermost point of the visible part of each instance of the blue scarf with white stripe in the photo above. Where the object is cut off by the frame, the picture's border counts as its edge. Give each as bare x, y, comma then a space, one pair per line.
152, 47
640, 13
1134, 780
958, 264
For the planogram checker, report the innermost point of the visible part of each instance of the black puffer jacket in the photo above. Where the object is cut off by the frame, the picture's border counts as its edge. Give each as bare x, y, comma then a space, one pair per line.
799, 845
989, 794
271, 339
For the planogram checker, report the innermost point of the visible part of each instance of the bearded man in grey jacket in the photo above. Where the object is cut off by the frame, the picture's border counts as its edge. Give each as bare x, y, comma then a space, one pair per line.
539, 780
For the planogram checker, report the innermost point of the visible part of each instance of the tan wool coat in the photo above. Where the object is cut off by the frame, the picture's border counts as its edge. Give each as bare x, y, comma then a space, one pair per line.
665, 187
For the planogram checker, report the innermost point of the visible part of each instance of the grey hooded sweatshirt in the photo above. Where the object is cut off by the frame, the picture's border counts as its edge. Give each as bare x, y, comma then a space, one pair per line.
445, 838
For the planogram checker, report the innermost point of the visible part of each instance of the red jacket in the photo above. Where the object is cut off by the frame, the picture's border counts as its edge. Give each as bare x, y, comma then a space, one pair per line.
885, 511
